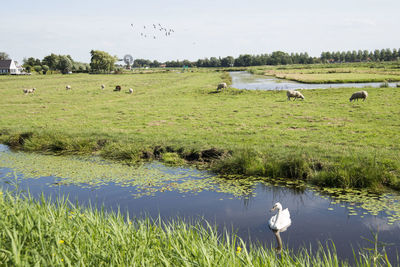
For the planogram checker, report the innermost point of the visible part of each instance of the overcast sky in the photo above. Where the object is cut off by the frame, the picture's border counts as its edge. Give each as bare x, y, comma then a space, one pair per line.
203, 28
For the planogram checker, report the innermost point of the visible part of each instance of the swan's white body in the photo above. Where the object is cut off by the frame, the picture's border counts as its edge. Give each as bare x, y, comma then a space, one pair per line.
281, 220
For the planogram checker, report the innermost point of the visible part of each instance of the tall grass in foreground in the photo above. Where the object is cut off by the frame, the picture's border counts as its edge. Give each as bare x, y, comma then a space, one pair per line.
42, 233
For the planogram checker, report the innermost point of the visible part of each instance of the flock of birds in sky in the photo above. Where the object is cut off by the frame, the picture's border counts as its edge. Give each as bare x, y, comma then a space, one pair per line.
153, 31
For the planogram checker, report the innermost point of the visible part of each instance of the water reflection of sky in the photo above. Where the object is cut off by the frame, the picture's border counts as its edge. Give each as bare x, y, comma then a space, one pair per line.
246, 80
312, 222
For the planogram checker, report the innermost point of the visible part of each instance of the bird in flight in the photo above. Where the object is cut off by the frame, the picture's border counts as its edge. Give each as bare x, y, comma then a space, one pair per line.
147, 30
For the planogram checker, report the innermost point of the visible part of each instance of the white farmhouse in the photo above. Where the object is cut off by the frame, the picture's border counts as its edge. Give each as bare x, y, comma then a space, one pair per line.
9, 67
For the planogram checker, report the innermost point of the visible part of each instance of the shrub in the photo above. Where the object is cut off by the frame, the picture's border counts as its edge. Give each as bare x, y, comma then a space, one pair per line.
37, 68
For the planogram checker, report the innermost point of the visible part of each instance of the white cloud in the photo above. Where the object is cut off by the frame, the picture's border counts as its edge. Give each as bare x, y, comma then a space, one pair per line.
380, 224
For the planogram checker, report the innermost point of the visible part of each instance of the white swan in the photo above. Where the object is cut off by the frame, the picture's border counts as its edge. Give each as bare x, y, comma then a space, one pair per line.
281, 220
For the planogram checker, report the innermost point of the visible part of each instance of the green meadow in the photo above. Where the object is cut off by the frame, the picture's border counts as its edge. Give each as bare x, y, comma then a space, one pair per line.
180, 118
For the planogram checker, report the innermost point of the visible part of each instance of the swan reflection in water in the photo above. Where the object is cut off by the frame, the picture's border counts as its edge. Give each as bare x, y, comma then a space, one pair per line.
279, 223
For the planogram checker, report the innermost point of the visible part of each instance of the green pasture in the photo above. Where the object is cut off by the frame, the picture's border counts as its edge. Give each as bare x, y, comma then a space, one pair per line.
180, 117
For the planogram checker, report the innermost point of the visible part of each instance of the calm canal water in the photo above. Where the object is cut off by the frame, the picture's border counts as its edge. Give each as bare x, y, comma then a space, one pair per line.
313, 219
246, 80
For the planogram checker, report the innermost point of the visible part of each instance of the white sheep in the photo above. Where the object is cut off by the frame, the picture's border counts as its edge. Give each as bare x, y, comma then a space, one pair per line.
295, 94
103, 86
130, 90
359, 94
68, 87
222, 86
29, 91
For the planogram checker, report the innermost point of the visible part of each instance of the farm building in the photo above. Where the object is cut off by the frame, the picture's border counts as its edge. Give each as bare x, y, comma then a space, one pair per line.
9, 66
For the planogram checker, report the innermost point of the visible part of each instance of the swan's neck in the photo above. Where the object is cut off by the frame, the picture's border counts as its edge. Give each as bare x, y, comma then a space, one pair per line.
277, 216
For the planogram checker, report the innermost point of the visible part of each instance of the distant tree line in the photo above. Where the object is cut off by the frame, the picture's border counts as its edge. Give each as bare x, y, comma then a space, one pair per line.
102, 62
55, 63
276, 58
361, 56
141, 63
283, 58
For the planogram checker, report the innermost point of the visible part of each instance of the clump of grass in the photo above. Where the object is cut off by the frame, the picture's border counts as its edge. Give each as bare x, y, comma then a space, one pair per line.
172, 158
384, 84
226, 77
121, 152
246, 162
356, 172
50, 143
53, 233
18, 140
251, 163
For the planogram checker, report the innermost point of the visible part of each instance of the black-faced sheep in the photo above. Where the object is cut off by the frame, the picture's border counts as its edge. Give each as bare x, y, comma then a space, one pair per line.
294, 94
103, 86
222, 86
68, 87
359, 94
130, 90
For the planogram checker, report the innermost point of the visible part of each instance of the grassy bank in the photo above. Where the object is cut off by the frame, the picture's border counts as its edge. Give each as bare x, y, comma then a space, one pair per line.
42, 233
180, 117
334, 73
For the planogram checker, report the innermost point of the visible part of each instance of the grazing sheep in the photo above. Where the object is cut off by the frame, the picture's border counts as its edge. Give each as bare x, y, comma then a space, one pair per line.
29, 91
359, 94
130, 90
117, 88
294, 94
222, 86
103, 86
68, 87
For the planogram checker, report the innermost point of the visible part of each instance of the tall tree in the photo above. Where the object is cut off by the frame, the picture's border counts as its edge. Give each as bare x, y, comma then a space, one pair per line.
64, 64
45, 69
31, 62
244, 60
51, 61
279, 57
395, 55
365, 55
4, 56
102, 61
388, 55
214, 62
